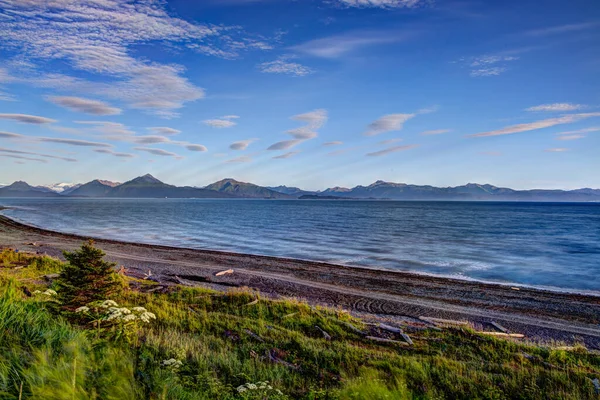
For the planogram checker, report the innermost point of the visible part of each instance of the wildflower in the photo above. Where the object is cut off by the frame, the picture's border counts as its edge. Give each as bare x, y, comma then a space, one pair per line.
139, 309
82, 309
129, 317
147, 316
37, 292
251, 386
108, 303
241, 389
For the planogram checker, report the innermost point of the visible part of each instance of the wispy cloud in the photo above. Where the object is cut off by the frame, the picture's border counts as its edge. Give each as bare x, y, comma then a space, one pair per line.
158, 152
285, 144
241, 159
334, 143
222, 122
27, 119
556, 107
286, 155
556, 150
164, 130
23, 158
489, 64
196, 147
553, 30
112, 130
388, 123
340, 45
574, 135
284, 66
10, 135
314, 120
390, 150
383, 3
546, 123
491, 71
391, 141
96, 36
73, 142
113, 153
87, 106
242, 144
11, 151
436, 132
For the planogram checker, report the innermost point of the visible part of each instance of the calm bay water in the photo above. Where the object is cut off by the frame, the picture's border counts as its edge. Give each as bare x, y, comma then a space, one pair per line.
541, 244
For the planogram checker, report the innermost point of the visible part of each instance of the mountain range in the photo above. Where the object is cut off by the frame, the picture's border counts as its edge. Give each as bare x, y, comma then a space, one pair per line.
148, 186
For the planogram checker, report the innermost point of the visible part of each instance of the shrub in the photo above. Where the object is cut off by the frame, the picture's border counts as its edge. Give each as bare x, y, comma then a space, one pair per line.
87, 277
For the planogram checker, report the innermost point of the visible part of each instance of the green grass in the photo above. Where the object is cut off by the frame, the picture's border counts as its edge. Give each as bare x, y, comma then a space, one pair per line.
47, 354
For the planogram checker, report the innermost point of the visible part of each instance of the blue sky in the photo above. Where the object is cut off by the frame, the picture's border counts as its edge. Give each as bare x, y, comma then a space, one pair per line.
311, 93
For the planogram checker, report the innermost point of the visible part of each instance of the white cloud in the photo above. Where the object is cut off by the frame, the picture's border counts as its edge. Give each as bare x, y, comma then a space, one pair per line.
97, 36
74, 142
570, 137
11, 151
285, 144
391, 141
561, 29
196, 147
27, 119
241, 159
491, 59
164, 130
87, 106
22, 158
436, 132
112, 130
383, 3
116, 154
388, 123
492, 71
340, 45
585, 130
556, 107
392, 150
314, 119
219, 123
556, 150
546, 123
10, 135
286, 155
158, 152
334, 143
242, 144
284, 66
302, 133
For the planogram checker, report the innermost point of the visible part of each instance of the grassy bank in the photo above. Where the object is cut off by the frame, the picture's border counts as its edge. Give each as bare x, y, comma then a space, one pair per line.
204, 344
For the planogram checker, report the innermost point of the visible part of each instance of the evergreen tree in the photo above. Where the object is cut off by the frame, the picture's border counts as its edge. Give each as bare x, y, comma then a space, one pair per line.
87, 277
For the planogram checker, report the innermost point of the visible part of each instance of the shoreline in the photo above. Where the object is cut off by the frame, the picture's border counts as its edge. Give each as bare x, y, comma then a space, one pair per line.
379, 294
553, 289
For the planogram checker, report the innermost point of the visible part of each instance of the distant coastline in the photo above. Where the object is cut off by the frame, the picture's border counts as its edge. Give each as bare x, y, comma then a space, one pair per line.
148, 186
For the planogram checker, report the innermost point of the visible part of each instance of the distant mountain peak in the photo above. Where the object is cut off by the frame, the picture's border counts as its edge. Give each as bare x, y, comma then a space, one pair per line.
148, 179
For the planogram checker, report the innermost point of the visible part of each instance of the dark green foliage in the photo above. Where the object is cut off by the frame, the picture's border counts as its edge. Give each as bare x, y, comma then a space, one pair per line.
87, 277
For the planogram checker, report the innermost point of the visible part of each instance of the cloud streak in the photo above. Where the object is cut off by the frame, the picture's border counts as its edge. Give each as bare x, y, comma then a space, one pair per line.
11, 151
556, 107
113, 153
86, 106
158, 152
388, 123
546, 123
28, 119
283, 66
242, 144
73, 142
390, 150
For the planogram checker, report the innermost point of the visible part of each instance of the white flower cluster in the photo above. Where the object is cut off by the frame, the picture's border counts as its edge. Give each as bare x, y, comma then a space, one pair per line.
123, 314
171, 363
48, 292
264, 386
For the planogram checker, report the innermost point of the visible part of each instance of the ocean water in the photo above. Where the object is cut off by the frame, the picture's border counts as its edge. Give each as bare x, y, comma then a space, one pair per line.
540, 244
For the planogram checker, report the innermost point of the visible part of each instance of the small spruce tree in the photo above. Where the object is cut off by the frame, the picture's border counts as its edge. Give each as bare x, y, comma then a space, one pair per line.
87, 277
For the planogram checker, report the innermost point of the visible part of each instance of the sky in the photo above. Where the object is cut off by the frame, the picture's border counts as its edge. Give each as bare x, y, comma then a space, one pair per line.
307, 93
